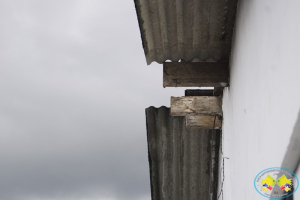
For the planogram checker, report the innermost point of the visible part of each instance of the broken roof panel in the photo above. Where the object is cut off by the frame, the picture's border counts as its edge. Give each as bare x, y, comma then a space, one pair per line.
197, 30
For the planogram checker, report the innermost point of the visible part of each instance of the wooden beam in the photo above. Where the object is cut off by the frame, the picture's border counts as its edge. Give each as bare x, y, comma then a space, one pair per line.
218, 91
199, 92
203, 122
195, 74
205, 105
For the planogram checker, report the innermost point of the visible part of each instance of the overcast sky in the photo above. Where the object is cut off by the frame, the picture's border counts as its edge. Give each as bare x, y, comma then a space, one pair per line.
74, 86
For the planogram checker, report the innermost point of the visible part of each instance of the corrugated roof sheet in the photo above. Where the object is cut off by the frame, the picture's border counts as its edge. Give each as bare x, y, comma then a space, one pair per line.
179, 158
186, 29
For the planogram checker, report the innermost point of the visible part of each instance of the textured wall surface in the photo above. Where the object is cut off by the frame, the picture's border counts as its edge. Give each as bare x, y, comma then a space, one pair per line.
179, 158
261, 105
186, 29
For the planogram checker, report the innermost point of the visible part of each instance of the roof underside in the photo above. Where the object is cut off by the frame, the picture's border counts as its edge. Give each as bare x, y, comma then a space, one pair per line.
193, 30
179, 158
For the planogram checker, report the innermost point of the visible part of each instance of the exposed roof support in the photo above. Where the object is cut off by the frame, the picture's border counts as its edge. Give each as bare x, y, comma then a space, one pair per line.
191, 106
199, 92
195, 74
203, 122
217, 91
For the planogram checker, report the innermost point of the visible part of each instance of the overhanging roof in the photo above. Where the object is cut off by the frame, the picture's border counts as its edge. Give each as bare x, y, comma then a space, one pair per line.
179, 158
186, 29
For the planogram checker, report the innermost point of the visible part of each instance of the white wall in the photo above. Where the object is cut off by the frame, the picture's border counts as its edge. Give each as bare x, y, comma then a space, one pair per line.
262, 103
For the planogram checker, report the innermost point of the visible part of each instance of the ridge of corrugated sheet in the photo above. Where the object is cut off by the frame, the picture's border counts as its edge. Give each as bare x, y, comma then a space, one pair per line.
179, 158
186, 29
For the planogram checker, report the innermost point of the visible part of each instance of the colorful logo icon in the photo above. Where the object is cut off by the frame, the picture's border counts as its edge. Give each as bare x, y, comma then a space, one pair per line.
276, 183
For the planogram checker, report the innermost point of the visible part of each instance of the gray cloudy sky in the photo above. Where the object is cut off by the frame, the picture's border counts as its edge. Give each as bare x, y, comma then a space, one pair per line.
73, 88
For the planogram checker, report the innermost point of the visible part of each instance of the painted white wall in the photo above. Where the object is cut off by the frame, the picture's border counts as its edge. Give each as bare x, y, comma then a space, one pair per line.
262, 103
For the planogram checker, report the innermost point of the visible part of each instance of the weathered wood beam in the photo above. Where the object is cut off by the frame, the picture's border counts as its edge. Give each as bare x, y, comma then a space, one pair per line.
195, 74
203, 122
205, 105
199, 92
